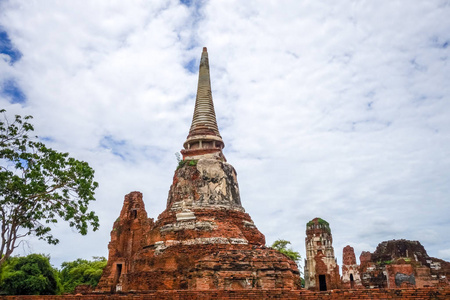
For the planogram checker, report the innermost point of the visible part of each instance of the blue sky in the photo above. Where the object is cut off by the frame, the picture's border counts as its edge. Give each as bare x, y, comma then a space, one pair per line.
332, 110
7, 48
9, 88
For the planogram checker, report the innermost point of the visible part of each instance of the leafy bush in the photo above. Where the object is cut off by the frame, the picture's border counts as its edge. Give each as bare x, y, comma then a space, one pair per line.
29, 275
81, 271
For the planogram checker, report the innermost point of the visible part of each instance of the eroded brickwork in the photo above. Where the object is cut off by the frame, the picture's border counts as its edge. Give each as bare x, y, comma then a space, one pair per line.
205, 183
350, 270
127, 238
203, 240
402, 263
321, 269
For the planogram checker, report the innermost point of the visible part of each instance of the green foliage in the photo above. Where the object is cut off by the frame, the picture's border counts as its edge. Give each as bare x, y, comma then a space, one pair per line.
29, 275
321, 222
81, 271
38, 187
385, 262
191, 163
281, 246
181, 163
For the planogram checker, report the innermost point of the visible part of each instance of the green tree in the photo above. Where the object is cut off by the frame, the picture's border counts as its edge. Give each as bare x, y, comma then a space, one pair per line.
38, 187
81, 271
281, 246
29, 275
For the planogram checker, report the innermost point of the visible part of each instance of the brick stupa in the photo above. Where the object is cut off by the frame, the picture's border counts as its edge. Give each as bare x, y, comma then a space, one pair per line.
204, 239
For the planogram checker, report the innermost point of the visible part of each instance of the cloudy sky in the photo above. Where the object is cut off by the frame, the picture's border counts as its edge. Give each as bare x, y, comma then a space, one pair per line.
339, 110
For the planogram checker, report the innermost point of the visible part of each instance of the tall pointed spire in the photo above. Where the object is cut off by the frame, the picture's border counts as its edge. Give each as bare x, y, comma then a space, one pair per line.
204, 137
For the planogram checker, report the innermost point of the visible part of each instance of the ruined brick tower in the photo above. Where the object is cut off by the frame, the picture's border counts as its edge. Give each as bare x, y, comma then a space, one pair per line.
350, 270
321, 269
203, 239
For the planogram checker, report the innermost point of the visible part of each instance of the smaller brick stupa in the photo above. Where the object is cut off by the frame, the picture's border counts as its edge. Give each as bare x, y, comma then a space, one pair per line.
203, 239
350, 269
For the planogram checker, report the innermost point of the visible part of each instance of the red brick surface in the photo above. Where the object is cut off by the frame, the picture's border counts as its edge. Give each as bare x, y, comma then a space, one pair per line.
348, 256
351, 278
424, 293
397, 259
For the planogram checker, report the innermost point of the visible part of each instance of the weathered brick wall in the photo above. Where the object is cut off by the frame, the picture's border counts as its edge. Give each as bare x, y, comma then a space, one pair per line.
350, 270
400, 263
424, 293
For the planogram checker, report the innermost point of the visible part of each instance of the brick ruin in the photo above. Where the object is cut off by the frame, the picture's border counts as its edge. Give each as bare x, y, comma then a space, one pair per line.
203, 240
321, 268
402, 263
394, 264
350, 269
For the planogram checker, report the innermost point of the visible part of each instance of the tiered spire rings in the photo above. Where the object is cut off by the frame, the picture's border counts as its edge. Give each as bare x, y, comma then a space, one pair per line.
204, 137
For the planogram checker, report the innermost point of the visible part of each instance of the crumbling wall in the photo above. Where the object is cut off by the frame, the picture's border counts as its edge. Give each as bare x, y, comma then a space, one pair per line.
205, 183
350, 270
127, 238
402, 263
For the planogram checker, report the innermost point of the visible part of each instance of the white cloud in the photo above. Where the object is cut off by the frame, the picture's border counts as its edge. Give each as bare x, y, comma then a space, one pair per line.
328, 110
444, 254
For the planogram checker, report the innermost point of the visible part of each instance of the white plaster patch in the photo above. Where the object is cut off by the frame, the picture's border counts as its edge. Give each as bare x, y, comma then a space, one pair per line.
162, 245
189, 224
248, 224
185, 216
